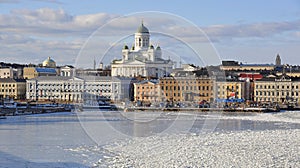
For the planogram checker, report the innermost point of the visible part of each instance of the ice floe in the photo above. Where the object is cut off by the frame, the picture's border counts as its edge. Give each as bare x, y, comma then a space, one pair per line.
270, 148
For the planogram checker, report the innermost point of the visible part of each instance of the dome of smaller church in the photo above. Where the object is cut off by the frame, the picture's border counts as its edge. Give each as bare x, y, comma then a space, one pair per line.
142, 29
49, 63
158, 48
151, 46
125, 47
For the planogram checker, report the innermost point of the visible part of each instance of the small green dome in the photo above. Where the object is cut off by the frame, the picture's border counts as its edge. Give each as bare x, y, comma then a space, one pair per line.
132, 48
158, 48
49, 63
151, 46
142, 29
125, 47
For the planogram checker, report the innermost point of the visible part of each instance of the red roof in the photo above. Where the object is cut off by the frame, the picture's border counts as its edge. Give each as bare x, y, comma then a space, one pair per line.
251, 76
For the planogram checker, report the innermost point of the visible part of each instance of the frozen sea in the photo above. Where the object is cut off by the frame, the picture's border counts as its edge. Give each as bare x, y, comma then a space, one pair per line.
151, 139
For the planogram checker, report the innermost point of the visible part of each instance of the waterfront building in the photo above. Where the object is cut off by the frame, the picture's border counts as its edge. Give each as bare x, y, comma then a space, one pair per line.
33, 72
12, 88
282, 89
230, 89
55, 88
187, 88
77, 89
113, 88
142, 59
147, 91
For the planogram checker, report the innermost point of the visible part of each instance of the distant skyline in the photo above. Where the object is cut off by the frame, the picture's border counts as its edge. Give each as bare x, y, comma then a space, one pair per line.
250, 32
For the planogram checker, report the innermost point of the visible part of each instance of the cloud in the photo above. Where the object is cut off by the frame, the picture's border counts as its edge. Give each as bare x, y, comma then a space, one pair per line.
44, 32
18, 1
9, 1
49, 1
251, 30
6, 39
46, 21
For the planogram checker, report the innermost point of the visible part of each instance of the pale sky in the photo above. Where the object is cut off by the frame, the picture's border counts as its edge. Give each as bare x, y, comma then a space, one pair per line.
247, 31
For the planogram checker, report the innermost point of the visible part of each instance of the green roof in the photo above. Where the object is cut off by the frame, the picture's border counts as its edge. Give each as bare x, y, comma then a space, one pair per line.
142, 29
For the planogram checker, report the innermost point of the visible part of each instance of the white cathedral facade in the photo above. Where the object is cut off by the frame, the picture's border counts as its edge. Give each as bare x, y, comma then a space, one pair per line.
142, 59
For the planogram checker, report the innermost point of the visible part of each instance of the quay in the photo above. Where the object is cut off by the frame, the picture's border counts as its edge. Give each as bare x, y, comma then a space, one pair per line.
174, 109
12, 111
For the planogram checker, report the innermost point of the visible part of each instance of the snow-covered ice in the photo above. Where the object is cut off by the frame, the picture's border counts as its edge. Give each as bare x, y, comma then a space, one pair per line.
95, 139
276, 148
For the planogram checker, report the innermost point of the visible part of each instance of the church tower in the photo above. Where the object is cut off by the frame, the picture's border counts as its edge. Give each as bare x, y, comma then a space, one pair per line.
141, 38
278, 60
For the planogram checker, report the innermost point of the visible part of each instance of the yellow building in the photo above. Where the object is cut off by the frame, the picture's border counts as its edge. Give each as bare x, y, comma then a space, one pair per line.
235, 66
147, 91
189, 88
33, 72
295, 74
12, 88
230, 89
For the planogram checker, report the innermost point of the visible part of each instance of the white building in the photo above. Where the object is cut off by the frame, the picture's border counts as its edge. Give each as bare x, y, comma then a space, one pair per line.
142, 59
67, 71
75, 89
10, 72
6, 73
282, 89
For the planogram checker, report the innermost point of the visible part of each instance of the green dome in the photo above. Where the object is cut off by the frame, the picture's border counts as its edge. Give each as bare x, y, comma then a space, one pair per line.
125, 47
49, 63
151, 46
142, 29
158, 48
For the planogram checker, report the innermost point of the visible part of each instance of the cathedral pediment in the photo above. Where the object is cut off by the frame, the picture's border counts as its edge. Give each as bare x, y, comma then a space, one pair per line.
134, 62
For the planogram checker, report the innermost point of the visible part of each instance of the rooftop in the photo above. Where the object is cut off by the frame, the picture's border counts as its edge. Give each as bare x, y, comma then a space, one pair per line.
45, 70
11, 80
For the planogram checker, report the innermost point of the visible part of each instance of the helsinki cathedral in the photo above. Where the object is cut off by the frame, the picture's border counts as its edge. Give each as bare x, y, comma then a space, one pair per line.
142, 59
